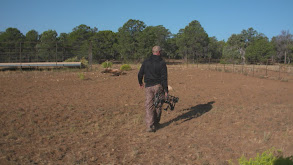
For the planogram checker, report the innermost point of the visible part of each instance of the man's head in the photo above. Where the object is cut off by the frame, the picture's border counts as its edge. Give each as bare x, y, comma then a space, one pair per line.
156, 50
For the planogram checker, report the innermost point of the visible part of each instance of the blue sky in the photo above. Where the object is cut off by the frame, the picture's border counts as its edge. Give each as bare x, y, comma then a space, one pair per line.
219, 18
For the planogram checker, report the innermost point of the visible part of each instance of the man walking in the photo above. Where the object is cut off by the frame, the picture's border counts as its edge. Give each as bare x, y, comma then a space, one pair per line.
154, 72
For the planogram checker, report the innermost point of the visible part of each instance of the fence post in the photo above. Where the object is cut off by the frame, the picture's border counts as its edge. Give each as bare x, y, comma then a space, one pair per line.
56, 54
253, 69
209, 63
279, 71
63, 51
20, 61
37, 56
90, 55
267, 68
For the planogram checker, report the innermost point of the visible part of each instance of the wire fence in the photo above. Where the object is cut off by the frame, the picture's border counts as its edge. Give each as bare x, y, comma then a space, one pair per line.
29, 52
274, 71
280, 72
37, 52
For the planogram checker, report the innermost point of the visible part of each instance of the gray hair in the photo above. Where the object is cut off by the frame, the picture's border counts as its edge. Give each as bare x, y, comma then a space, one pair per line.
156, 49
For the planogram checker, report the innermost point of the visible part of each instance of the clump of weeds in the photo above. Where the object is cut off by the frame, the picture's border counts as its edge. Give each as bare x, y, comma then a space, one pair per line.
81, 76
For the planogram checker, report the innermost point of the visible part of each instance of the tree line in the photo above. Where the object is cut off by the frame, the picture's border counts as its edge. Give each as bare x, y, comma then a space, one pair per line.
134, 41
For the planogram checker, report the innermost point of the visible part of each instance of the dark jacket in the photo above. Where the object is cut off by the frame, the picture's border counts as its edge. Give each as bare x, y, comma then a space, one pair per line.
154, 71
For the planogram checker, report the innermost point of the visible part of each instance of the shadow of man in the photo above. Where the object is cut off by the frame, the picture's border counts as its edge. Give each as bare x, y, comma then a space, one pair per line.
193, 112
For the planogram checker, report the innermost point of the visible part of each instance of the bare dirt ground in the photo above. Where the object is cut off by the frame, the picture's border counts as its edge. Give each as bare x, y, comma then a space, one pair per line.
55, 117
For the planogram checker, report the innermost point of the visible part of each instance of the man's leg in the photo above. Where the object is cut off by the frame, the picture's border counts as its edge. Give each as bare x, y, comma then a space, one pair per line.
149, 107
158, 110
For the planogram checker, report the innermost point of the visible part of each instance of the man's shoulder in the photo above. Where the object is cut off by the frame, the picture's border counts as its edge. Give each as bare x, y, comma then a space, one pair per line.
146, 60
152, 60
163, 62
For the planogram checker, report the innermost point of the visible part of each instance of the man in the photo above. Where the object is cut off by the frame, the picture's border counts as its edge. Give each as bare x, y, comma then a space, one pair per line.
154, 72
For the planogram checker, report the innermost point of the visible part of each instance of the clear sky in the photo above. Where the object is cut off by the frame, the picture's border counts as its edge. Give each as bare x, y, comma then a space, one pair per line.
219, 18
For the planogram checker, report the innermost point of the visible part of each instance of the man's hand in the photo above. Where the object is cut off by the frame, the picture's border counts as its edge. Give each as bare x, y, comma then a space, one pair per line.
166, 95
141, 86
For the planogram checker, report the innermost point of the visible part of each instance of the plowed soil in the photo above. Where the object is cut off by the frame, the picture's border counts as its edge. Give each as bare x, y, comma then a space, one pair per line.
58, 117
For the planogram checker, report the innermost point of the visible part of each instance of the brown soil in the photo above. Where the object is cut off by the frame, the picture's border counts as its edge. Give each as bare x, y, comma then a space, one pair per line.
56, 117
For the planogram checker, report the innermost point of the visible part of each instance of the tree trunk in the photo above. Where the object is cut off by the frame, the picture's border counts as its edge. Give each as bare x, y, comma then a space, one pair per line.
193, 57
285, 59
185, 57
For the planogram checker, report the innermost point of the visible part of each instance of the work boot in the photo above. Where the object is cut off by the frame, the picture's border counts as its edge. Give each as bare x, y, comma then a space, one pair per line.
151, 129
157, 125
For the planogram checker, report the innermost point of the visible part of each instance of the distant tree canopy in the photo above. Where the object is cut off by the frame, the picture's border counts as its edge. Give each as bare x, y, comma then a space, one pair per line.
134, 41
283, 45
193, 41
252, 47
128, 36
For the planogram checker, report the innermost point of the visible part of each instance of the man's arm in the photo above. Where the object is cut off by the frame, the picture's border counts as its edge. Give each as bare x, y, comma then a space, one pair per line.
164, 78
140, 75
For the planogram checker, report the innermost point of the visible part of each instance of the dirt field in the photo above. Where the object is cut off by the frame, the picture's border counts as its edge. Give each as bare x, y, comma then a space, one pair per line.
56, 117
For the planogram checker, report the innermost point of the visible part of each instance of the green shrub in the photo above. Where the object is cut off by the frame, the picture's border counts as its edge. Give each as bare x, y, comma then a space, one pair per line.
266, 158
81, 76
223, 61
269, 157
73, 59
125, 67
84, 62
107, 64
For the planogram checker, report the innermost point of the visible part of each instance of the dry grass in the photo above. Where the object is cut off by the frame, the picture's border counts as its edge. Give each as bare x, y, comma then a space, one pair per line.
101, 120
